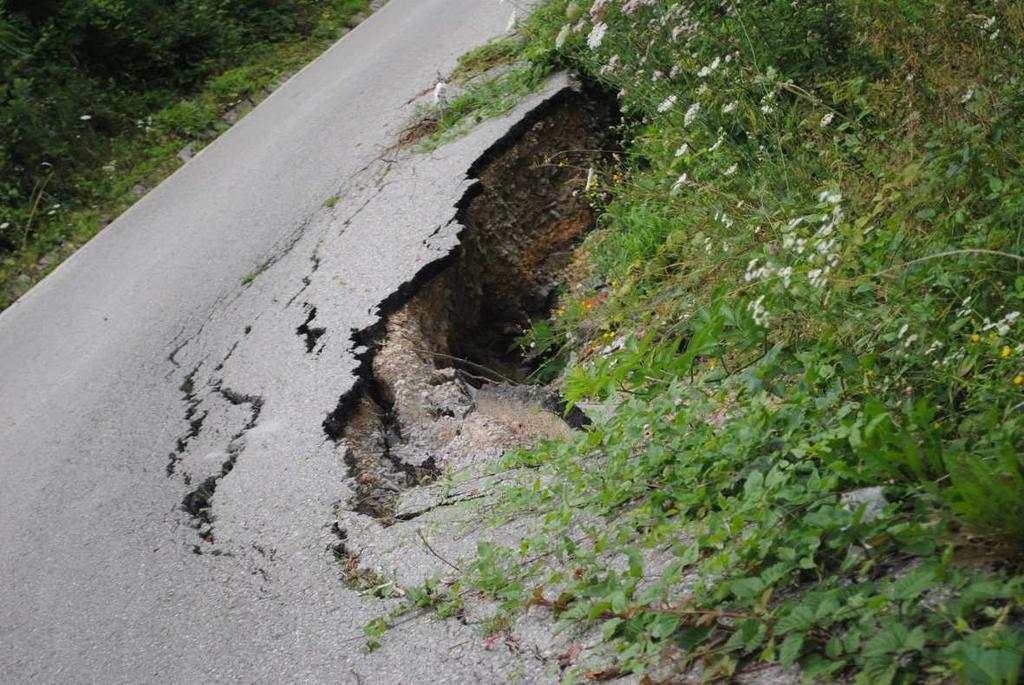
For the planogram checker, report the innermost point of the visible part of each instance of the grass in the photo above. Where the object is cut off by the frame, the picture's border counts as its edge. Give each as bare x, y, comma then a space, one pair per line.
479, 101
810, 253
479, 61
140, 160
487, 82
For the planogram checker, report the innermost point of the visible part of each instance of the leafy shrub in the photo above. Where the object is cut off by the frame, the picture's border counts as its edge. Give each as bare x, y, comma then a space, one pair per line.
804, 304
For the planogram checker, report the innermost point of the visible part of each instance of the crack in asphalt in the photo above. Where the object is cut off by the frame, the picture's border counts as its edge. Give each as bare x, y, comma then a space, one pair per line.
311, 334
198, 502
195, 423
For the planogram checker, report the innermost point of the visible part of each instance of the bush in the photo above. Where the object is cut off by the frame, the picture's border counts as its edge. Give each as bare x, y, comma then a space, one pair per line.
810, 256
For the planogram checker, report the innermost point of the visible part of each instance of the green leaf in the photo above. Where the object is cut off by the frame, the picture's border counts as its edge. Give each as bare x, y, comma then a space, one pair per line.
913, 584
636, 562
977, 664
609, 627
745, 588
754, 485
895, 639
691, 555
618, 601
800, 618
664, 625
790, 649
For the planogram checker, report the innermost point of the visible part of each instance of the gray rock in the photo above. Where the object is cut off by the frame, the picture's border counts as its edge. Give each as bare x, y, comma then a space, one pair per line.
871, 499
185, 153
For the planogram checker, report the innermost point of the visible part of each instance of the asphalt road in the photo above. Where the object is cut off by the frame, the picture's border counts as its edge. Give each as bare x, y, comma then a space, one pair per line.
106, 366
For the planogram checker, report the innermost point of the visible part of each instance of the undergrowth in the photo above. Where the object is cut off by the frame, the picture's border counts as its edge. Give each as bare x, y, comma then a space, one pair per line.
801, 310
77, 158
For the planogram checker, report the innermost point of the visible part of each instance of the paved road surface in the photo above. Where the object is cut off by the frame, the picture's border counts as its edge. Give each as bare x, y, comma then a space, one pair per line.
108, 365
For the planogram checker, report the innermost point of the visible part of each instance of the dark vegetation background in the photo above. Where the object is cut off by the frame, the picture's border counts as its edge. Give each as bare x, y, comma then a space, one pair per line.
96, 93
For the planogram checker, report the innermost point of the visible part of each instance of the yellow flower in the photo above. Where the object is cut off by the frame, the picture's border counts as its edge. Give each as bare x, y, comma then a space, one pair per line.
1006, 352
713, 363
975, 338
871, 372
1018, 379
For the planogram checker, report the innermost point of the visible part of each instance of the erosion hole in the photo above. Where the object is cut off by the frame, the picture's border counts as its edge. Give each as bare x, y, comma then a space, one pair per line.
448, 347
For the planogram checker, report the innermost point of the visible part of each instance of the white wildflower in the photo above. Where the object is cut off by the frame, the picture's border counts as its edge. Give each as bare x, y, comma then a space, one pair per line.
691, 114
597, 35
731, 170
730, 108
85, 117
562, 36
967, 96
827, 119
678, 185
614, 63
1003, 325
441, 93
667, 103
833, 197
591, 179
683, 149
5, 225
909, 341
758, 312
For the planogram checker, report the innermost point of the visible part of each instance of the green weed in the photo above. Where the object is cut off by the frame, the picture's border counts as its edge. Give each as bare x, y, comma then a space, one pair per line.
802, 305
480, 101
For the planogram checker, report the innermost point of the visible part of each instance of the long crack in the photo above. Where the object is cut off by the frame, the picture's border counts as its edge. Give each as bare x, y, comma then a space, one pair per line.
192, 417
198, 502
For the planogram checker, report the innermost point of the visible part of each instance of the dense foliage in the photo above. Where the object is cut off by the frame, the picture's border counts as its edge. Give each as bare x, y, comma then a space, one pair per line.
95, 95
802, 309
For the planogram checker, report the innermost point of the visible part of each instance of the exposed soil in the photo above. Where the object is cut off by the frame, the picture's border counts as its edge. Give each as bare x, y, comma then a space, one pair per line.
442, 378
